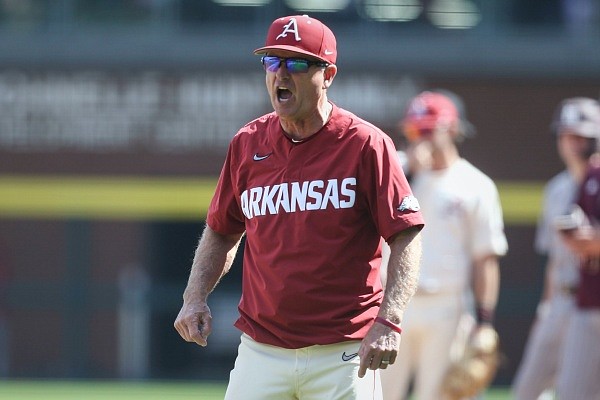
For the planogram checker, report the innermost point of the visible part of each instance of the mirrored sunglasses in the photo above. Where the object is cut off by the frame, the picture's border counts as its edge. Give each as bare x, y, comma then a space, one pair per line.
293, 65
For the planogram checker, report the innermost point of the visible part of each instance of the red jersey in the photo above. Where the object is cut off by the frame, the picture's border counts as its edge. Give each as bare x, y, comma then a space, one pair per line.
313, 213
588, 294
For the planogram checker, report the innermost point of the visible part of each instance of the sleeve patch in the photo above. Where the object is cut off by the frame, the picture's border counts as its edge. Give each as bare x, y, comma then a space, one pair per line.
409, 203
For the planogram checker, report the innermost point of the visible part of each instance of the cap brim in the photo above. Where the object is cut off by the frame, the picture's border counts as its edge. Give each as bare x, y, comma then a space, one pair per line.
264, 50
468, 129
420, 124
584, 129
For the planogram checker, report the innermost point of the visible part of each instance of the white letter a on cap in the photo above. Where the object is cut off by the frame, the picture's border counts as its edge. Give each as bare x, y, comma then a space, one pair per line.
291, 27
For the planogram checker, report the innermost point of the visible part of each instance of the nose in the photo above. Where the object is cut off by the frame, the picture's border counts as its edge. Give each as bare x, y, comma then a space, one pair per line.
282, 69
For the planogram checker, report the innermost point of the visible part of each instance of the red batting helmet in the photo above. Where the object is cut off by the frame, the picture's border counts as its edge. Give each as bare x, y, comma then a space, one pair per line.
428, 110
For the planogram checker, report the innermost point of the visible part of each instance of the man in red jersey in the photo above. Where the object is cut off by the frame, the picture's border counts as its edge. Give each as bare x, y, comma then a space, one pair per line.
314, 188
580, 369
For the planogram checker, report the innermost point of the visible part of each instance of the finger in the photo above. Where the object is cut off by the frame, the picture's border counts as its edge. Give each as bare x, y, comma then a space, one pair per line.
375, 363
364, 365
185, 332
198, 338
382, 360
392, 357
198, 332
180, 330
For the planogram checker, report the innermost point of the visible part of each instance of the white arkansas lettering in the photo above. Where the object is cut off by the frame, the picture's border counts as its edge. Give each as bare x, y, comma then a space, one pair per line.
298, 197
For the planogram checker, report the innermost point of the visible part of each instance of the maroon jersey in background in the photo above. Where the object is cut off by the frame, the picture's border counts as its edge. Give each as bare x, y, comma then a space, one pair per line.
589, 200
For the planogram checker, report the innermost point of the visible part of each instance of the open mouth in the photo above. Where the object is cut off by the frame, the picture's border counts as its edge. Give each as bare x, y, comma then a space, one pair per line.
283, 93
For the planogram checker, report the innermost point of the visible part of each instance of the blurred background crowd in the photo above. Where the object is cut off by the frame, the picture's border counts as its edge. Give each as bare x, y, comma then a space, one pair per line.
114, 121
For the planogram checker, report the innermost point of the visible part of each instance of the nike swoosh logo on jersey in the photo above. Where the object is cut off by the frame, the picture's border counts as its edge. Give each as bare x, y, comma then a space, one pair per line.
328, 52
258, 157
348, 357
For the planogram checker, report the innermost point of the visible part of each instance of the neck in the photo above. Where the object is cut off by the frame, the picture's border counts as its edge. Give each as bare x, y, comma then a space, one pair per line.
578, 169
301, 129
444, 158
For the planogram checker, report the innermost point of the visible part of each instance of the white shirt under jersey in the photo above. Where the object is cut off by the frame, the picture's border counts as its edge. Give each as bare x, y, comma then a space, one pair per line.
559, 198
463, 215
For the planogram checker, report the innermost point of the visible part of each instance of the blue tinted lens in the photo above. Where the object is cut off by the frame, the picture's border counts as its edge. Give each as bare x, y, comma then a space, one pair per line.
296, 65
293, 65
271, 64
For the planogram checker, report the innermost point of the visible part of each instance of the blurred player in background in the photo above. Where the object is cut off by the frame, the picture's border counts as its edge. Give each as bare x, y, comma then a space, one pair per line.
579, 374
576, 140
464, 237
314, 188
5, 275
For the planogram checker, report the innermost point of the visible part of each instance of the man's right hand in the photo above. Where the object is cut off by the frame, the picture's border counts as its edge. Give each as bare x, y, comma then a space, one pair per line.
194, 323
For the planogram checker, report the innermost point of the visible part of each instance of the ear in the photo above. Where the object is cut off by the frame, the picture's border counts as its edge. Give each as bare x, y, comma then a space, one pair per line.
330, 73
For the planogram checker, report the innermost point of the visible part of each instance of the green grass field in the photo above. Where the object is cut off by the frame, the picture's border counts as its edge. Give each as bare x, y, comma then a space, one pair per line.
109, 390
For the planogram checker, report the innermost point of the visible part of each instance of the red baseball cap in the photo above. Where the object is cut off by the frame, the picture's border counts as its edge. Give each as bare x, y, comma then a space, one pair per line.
426, 111
301, 34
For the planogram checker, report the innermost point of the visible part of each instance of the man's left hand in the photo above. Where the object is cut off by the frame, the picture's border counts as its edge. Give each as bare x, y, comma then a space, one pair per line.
378, 349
